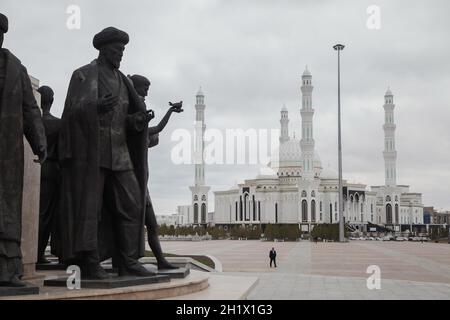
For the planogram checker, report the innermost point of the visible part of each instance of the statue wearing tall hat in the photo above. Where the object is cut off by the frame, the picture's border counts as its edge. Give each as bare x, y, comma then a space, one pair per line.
103, 162
19, 116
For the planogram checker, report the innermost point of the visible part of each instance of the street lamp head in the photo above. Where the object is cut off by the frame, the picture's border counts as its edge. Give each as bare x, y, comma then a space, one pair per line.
339, 47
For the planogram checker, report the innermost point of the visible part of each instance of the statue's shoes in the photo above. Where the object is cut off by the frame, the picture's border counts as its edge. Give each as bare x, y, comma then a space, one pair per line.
15, 282
165, 265
136, 270
95, 272
43, 260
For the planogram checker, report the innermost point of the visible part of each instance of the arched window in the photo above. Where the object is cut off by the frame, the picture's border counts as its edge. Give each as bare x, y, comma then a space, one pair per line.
195, 213
362, 207
335, 206
313, 194
276, 212
396, 213
304, 195
241, 218
304, 211
313, 211
246, 203
331, 212
388, 213
396, 198
371, 208
203, 212
259, 210
320, 207
254, 207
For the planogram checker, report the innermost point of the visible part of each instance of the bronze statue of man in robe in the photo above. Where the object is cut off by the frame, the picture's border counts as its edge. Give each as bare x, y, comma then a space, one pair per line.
103, 162
19, 116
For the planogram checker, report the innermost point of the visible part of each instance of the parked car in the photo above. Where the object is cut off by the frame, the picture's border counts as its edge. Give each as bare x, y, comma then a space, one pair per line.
401, 239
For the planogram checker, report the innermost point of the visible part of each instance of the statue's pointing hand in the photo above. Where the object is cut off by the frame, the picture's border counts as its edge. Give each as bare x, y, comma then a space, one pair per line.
107, 103
176, 107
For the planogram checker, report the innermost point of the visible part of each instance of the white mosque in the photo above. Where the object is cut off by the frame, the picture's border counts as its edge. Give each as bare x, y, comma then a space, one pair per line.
302, 192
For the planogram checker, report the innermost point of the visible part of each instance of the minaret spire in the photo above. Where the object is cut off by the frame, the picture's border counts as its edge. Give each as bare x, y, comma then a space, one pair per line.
307, 113
389, 153
199, 138
200, 190
284, 121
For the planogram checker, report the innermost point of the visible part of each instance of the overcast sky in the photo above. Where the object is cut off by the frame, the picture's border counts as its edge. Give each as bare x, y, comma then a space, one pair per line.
248, 56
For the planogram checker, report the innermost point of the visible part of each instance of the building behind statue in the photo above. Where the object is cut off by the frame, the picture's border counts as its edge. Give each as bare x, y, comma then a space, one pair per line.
300, 190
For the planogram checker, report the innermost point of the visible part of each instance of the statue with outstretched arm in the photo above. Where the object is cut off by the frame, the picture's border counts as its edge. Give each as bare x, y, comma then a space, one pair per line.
142, 85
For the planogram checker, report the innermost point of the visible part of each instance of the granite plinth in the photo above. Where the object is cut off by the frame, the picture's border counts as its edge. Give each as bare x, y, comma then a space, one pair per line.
50, 266
19, 291
178, 273
111, 283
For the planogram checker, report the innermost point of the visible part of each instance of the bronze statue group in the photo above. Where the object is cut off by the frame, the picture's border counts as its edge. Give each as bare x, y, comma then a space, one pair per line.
94, 201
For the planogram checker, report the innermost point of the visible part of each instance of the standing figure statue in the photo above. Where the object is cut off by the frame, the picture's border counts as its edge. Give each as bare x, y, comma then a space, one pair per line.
19, 116
103, 163
50, 179
142, 84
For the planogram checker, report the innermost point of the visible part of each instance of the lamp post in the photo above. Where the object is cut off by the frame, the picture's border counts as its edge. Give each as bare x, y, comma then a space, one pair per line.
339, 48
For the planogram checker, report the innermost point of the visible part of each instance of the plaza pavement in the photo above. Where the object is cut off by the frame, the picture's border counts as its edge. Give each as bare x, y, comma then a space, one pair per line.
409, 270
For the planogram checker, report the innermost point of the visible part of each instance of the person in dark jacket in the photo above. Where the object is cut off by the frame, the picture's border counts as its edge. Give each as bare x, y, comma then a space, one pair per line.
273, 257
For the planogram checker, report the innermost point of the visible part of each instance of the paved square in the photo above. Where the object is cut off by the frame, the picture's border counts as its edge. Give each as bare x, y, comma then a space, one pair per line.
409, 270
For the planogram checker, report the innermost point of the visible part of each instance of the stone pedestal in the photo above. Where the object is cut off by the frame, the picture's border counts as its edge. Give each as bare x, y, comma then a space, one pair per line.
30, 204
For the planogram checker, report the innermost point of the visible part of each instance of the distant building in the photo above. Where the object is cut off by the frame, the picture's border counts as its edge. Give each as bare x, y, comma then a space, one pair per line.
301, 192
436, 216
169, 219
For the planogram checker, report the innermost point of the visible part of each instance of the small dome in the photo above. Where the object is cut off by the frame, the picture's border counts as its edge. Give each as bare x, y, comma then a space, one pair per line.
290, 153
265, 172
329, 173
388, 92
306, 73
284, 108
200, 92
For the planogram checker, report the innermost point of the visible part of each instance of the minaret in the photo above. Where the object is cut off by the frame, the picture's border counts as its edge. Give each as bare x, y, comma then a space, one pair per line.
199, 137
199, 190
307, 113
389, 153
284, 121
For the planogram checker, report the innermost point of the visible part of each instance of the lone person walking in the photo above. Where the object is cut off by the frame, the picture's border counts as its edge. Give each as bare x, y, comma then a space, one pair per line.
273, 257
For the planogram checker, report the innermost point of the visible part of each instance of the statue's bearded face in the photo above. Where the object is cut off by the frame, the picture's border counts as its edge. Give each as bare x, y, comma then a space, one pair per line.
113, 53
1, 39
